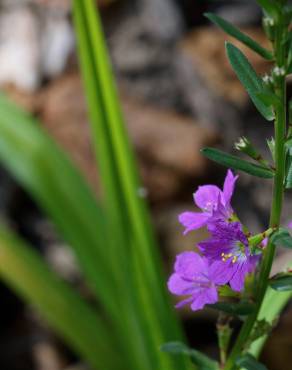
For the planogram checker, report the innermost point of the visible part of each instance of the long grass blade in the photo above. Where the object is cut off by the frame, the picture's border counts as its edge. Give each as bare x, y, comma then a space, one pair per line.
69, 315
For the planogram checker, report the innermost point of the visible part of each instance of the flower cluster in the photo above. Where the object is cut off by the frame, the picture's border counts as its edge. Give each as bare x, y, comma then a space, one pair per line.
225, 257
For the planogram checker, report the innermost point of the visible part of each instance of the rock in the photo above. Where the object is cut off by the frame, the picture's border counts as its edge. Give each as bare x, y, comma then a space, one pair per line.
240, 13
21, 44
205, 47
42, 41
167, 144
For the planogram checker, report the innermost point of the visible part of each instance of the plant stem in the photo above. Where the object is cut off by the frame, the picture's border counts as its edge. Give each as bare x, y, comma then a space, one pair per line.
277, 200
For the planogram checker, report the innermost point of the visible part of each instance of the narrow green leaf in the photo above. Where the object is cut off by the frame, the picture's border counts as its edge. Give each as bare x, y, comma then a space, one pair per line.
270, 7
236, 33
249, 79
22, 269
288, 165
282, 238
248, 362
236, 163
241, 309
125, 209
268, 98
199, 359
282, 283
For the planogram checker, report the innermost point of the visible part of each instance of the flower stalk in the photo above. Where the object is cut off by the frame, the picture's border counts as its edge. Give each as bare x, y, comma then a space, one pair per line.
277, 199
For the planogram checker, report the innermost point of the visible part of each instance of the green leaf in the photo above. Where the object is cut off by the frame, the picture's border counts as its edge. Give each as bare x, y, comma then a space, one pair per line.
268, 98
199, 359
236, 163
270, 7
282, 283
282, 238
288, 165
248, 362
241, 309
130, 228
23, 269
236, 33
249, 79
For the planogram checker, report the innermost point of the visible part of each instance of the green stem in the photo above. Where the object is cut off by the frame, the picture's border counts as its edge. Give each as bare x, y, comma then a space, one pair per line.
277, 201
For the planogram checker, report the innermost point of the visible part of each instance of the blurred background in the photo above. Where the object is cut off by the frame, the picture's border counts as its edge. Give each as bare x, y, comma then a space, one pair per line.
178, 95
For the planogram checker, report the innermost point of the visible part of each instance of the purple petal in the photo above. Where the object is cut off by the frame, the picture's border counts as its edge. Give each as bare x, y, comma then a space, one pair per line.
228, 187
179, 286
184, 302
190, 265
207, 296
220, 273
193, 220
290, 224
237, 280
206, 197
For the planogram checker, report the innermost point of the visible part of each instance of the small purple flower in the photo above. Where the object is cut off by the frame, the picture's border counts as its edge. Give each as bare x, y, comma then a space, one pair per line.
195, 277
214, 203
228, 246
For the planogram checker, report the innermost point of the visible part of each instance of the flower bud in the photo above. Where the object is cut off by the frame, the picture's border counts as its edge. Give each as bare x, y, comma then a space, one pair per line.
245, 146
269, 26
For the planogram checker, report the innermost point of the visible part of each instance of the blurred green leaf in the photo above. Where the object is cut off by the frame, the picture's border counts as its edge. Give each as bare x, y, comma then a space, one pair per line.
249, 79
69, 315
199, 359
240, 309
282, 283
248, 362
288, 164
236, 33
236, 163
282, 238
125, 209
271, 7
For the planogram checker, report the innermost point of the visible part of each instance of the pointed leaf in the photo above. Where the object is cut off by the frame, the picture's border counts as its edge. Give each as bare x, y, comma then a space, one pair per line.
248, 362
236, 163
236, 33
282, 283
249, 78
241, 309
199, 359
282, 238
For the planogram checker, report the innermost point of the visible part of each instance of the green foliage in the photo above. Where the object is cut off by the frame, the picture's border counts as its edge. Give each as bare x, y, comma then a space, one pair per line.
272, 8
282, 238
288, 164
248, 362
282, 282
112, 238
236, 163
59, 304
236, 33
232, 308
249, 79
198, 359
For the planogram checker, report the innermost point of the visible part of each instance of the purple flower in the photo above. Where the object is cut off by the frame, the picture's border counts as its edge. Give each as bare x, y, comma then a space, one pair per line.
214, 203
195, 277
228, 246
